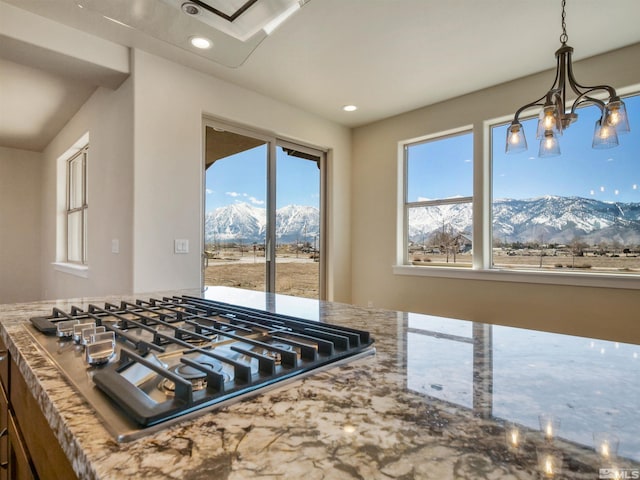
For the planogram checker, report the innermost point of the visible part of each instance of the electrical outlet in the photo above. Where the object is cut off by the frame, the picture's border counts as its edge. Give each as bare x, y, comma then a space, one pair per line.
115, 246
370, 304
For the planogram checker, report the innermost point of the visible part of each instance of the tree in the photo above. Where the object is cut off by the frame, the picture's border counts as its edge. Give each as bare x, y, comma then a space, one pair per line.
448, 240
577, 249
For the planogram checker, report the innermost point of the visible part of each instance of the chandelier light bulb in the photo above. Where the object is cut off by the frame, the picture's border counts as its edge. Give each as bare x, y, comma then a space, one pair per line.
548, 118
516, 141
616, 116
604, 136
549, 145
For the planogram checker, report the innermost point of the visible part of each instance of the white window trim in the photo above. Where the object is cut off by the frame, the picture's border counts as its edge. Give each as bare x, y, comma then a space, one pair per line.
72, 269
82, 209
402, 257
482, 269
522, 276
61, 265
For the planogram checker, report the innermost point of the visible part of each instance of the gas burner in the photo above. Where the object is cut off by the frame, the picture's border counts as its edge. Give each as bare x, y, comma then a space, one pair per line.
277, 356
201, 342
197, 378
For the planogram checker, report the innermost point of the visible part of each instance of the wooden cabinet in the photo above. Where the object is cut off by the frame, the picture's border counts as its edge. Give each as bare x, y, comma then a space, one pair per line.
4, 412
28, 447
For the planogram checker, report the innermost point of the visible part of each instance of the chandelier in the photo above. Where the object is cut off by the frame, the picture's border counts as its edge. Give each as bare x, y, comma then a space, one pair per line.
555, 115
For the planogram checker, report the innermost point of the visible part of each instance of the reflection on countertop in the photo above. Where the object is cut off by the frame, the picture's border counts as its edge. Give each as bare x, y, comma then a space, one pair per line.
441, 398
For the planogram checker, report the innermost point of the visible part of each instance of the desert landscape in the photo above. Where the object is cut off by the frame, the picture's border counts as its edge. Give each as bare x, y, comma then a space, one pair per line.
298, 273
297, 276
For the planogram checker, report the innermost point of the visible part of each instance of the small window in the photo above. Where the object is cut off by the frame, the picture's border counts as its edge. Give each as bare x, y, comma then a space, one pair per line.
438, 206
77, 208
576, 212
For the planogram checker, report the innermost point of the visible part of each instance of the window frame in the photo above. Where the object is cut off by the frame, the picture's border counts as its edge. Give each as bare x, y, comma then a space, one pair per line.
482, 265
70, 185
404, 191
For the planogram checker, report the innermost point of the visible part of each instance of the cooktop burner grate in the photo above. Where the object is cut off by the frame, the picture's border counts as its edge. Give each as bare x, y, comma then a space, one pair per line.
158, 360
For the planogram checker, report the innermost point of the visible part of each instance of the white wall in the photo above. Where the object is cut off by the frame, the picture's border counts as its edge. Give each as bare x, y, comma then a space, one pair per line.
20, 184
599, 312
170, 101
108, 117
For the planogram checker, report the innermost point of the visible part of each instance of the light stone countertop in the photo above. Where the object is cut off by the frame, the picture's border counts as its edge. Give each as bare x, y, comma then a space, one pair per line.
436, 401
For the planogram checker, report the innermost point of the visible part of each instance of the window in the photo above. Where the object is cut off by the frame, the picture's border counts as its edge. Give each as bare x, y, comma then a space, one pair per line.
438, 200
577, 212
572, 219
76, 212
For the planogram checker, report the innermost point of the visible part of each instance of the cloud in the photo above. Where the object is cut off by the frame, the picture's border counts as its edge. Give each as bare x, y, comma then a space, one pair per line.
209, 191
467, 160
251, 199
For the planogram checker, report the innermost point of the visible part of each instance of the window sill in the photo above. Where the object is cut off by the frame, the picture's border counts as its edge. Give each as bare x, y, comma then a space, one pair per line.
521, 276
72, 269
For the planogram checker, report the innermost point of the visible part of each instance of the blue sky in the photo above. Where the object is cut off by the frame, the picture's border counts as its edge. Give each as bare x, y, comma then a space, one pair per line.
242, 178
607, 175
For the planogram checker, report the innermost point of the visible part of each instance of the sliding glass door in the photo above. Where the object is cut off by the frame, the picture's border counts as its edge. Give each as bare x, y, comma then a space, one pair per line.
297, 223
263, 213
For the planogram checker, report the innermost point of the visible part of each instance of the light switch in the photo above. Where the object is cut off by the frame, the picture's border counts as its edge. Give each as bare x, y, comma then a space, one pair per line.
115, 246
181, 245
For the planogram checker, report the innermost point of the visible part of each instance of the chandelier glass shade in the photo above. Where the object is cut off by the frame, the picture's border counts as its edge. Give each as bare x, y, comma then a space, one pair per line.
556, 116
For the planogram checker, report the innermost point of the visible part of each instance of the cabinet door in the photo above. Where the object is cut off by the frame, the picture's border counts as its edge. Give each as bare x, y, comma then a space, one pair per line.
4, 436
4, 411
19, 466
4, 365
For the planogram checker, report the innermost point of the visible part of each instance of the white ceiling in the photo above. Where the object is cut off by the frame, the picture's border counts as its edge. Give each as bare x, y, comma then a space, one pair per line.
385, 56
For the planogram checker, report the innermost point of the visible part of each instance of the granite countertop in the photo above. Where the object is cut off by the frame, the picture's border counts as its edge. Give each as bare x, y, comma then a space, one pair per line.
441, 398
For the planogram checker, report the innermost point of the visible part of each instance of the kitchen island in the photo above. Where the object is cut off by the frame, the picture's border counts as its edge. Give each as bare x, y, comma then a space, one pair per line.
441, 398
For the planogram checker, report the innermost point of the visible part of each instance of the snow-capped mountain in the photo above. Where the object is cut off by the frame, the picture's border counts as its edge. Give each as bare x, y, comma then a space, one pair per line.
238, 221
552, 219
561, 219
246, 223
297, 223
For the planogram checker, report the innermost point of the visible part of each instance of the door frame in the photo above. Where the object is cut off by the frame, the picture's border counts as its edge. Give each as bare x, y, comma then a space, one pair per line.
273, 141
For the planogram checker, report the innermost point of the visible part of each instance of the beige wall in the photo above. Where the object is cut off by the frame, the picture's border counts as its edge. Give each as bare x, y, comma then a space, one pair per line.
599, 312
170, 102
108, 117
20, 184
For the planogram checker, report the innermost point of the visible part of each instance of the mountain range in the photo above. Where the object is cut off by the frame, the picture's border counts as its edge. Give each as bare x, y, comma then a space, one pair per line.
247, 223
550, 219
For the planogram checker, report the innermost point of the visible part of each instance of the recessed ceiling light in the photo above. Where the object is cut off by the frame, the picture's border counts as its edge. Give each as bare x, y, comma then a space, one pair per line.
200, 42
349, 108
190, 8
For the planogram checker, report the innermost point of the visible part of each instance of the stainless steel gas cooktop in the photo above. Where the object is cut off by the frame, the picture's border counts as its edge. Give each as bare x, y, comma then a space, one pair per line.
146, 364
